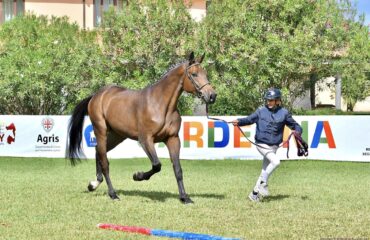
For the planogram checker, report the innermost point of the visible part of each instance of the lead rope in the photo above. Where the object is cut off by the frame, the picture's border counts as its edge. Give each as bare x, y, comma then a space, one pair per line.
255, 144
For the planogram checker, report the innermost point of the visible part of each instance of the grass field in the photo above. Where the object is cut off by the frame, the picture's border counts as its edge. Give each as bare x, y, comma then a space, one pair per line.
48, 199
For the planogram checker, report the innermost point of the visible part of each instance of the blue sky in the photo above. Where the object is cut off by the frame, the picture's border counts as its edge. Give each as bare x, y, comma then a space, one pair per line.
363, 6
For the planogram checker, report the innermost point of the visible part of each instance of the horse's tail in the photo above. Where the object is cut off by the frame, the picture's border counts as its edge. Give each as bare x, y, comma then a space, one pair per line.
75, 130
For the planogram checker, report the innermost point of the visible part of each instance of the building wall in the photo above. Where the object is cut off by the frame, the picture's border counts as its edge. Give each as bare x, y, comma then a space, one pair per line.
197, 9
363, 106
303, 102
325, 93
74, 9
326, 96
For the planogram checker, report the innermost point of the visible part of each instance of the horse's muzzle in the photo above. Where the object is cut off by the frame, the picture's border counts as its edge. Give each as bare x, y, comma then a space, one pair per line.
211, 98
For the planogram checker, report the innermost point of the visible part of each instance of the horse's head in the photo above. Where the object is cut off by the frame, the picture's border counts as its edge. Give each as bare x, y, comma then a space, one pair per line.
196, 80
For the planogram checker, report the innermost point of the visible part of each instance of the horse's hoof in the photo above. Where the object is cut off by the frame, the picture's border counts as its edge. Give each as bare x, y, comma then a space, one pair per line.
114, 197
139, 176
90, 188
186, 200
93, 185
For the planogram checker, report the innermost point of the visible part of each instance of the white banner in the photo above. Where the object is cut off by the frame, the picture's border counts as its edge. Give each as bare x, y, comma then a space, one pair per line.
342, 138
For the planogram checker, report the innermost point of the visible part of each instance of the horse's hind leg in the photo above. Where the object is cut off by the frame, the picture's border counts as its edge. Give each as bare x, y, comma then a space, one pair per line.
148, 146
93, 185
101, 149
112, 141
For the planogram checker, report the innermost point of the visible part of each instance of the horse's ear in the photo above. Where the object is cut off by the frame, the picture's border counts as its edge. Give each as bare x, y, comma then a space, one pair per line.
202, 57
191, 58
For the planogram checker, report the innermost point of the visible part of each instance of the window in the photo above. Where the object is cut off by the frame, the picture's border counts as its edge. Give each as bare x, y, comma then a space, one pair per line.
10, 8
208, 3
100, 6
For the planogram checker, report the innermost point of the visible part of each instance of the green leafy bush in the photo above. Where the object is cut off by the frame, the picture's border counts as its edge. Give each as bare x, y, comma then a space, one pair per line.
282, 43
46, 65
144, 39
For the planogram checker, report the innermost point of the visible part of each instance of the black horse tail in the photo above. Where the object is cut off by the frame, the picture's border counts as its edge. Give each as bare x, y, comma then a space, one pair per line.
75, 130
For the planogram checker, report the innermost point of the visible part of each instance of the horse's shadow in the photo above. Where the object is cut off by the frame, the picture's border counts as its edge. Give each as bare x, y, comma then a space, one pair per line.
162, 196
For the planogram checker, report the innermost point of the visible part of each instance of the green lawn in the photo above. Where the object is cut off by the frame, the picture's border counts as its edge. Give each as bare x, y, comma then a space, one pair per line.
48, 199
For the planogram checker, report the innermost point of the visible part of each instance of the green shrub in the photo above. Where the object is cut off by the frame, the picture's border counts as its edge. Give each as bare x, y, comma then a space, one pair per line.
257, 44
144, 39
46, 65
326, 111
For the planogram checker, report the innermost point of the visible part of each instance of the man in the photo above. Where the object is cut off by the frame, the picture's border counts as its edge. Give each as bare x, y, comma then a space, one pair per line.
270, 120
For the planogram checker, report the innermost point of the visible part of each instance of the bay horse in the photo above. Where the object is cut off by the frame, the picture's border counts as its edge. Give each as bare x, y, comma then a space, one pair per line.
149, 116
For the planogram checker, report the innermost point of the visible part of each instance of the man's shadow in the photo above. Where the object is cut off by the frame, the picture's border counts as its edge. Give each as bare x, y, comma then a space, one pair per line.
281, 197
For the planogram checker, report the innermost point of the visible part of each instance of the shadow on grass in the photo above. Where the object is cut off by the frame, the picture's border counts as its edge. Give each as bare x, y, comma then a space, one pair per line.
163, 196
305, 198
275, 198
281, 197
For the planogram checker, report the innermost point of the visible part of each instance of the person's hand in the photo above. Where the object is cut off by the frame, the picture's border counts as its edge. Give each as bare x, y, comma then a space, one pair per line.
296, 133
235, 122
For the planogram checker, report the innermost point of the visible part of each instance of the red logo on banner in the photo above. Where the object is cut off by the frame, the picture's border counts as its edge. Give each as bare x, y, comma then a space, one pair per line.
7, 130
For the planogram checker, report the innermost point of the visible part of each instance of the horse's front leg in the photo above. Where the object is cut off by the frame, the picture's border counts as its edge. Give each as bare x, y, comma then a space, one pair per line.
148, 146
173, 145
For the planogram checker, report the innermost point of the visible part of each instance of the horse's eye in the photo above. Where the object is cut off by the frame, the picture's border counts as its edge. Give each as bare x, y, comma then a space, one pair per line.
194, 74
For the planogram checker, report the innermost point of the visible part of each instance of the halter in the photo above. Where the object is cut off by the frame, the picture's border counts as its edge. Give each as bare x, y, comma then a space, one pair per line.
195, 83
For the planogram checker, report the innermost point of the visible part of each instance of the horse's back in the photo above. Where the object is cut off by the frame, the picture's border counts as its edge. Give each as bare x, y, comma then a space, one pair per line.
103, 97
115, 107
110, 90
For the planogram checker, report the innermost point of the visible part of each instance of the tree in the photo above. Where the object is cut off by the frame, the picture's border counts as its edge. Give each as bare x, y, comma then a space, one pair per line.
46, 65
280, 43
144, 40
354, 65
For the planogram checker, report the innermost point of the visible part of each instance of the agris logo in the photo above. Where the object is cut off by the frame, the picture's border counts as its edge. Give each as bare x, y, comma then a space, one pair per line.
47, 123
7, 133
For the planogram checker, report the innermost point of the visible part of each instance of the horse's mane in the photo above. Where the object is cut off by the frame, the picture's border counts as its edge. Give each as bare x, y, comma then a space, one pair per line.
173, 66
164, 75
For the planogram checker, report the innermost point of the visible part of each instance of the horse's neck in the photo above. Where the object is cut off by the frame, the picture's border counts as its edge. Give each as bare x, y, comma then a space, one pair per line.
170, 87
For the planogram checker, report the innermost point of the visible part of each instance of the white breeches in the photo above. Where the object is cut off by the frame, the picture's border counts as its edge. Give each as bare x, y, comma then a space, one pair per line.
270, 160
